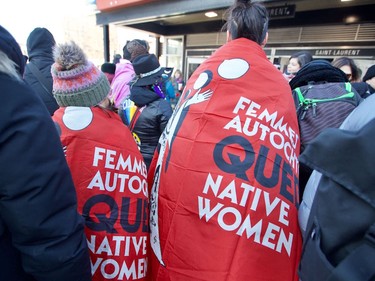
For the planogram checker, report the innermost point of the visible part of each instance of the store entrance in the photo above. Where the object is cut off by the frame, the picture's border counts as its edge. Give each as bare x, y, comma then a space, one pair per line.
363, 57
192, 64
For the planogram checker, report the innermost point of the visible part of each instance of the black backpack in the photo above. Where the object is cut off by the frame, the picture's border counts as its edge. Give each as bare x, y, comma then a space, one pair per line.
323, 105
339, 242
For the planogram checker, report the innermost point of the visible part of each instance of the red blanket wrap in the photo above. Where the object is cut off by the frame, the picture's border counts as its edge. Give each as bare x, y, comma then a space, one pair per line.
111, 182
224, 184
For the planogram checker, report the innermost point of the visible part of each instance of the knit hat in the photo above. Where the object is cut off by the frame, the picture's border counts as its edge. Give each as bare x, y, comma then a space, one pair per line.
135, 48
76, 81
369, 73
317, 71
11, 48
148, 70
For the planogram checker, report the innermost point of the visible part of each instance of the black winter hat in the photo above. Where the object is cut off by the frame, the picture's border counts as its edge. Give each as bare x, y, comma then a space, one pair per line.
11, 48
108, 67
148, 70
369, 73
317, 71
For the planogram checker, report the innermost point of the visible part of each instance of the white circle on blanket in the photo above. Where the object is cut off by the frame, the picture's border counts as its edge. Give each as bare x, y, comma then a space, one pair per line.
233, 68
77, 118
201, 80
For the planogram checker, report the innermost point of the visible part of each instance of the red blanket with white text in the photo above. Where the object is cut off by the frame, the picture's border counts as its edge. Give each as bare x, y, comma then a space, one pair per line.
224, 193
110, 178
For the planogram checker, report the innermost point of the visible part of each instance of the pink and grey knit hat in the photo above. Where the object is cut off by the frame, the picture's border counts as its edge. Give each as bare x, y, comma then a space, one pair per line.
76, 81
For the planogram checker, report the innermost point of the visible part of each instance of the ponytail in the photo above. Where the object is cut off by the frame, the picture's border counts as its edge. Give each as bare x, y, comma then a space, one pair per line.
247, 20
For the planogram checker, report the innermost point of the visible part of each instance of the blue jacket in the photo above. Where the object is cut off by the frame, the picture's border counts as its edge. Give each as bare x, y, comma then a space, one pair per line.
41, 233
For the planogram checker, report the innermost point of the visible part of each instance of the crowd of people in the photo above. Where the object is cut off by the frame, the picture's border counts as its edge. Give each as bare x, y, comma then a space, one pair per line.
128, 172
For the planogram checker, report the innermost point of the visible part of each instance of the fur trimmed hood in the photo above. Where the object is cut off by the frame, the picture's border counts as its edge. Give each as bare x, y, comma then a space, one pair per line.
8, 67
10, 47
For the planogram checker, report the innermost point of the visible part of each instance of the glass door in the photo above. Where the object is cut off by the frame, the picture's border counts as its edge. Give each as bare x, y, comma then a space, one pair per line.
192, 65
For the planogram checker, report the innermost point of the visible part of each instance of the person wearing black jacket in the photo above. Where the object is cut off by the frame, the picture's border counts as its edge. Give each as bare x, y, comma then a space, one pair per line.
153, 110
315, 72
37, 74
337, 213
369, 79
41, 233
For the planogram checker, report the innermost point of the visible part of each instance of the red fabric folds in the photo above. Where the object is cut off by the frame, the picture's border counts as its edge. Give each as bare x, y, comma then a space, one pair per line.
224, 193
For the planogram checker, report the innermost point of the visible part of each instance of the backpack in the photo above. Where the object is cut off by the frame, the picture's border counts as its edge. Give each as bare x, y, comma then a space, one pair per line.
339, 242
321, 106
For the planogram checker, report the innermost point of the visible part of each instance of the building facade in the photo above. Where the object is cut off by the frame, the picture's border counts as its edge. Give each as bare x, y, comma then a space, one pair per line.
184, 36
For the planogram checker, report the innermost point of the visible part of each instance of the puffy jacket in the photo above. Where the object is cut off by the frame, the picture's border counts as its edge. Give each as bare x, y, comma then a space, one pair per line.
40, 45
41, 233
154, 113
120, 83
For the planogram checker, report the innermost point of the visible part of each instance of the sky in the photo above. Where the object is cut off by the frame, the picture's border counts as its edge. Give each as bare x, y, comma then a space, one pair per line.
20, 17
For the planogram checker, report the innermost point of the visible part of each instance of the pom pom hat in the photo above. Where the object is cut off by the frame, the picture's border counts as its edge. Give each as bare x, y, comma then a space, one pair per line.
76, 81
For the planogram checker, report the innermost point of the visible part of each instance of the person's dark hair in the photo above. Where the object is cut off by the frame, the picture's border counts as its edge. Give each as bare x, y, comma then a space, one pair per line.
134, 48
125, 52
303, 57
116, 58
245, 19
341, 61
108, 67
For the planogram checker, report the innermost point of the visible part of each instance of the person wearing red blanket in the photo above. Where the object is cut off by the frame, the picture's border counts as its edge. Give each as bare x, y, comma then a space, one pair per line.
224, 179
41, 233
108, 169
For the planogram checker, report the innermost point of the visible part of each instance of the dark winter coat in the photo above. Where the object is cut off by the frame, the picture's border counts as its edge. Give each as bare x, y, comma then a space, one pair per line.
362, 115
39, 48
41, 233
153, 118
364, 89
316, 71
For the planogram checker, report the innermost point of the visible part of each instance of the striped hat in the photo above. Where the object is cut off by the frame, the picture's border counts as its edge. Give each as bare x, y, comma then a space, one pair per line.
76, 81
